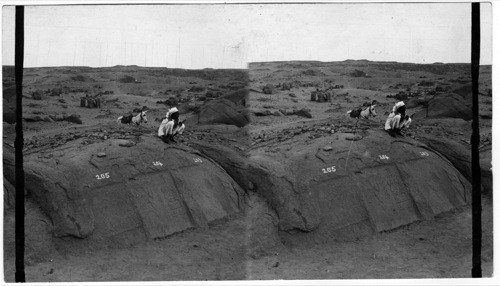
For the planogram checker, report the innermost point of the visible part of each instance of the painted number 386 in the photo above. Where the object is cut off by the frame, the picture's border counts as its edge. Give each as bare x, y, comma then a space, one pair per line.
329, 170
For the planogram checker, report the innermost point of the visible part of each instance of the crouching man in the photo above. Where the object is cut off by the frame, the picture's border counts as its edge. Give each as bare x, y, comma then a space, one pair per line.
397, 119
170, 126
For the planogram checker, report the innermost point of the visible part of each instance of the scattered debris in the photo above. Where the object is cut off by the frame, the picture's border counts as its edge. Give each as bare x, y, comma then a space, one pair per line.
304, 112
268, 89
90, 102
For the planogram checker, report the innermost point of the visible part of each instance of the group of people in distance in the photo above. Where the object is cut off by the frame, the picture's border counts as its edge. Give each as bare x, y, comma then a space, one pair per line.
171, 126
397, 119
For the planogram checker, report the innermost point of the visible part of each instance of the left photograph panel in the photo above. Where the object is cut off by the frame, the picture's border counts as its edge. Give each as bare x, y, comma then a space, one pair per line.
129, 112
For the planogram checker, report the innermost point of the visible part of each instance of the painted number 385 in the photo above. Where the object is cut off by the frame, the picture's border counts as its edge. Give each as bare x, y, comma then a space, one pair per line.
329, 170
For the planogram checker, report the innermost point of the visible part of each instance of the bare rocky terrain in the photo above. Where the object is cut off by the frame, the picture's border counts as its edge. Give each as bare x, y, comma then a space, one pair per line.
264, 184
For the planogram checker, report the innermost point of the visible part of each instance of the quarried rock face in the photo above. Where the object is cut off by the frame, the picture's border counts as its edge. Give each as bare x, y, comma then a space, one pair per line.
460, 157
151, 189
371, 185
381, 184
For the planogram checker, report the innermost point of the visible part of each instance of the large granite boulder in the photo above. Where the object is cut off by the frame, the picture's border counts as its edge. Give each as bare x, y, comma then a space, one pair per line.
229, 109
110, 189
349, 190
449, 105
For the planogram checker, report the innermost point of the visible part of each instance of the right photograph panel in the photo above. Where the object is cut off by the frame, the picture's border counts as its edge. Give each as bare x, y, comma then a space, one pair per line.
362, 115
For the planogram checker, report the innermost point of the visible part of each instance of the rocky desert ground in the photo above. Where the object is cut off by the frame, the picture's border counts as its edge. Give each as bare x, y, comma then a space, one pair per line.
265, 183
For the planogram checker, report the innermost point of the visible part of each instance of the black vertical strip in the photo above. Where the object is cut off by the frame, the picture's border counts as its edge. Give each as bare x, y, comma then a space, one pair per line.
19, 142
476, 171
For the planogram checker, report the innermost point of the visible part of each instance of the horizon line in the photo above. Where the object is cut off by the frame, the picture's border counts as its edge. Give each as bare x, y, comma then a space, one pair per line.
256, 62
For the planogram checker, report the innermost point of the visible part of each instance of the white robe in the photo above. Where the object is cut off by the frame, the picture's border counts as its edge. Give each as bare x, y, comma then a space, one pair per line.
394, 122
167, 127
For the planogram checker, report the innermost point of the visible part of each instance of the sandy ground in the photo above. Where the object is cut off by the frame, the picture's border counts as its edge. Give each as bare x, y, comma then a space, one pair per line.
247, 246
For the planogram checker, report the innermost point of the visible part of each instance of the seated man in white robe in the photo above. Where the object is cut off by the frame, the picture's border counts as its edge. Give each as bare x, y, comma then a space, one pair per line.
397, 119
170, 126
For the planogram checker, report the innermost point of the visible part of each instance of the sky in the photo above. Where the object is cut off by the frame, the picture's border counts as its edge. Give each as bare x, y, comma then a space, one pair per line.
230, 36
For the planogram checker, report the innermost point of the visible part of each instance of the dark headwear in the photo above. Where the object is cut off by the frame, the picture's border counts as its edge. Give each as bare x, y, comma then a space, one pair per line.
174, 115
401, 110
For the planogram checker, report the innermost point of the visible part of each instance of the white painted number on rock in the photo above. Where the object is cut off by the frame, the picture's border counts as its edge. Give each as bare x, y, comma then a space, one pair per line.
329, 170
157, 163
197, 160
424, 153
383, 157
103, 176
